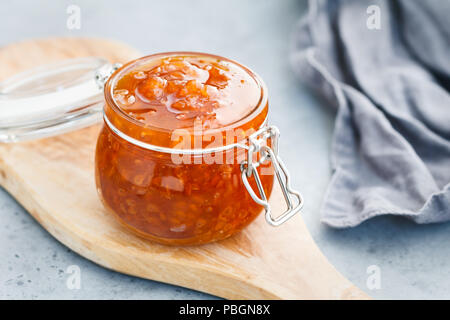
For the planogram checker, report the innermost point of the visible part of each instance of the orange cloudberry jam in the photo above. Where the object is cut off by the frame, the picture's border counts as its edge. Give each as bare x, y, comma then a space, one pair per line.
173, 101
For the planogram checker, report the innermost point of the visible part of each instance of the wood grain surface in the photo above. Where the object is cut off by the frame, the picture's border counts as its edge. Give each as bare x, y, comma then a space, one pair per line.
53, 179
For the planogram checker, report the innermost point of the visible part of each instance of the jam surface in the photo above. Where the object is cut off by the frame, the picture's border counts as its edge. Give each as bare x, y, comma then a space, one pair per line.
174, 92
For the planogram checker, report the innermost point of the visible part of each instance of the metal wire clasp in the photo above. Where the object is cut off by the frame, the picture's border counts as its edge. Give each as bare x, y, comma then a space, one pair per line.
102, 74
257, 144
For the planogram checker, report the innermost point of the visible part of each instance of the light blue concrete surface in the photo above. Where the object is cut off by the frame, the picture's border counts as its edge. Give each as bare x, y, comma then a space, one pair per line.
414, 260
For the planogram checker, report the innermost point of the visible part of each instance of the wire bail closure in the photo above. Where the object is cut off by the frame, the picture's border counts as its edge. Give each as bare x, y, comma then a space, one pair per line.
102, 74
249, 168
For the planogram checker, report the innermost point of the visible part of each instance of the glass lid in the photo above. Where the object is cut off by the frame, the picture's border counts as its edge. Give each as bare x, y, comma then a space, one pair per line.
53, 99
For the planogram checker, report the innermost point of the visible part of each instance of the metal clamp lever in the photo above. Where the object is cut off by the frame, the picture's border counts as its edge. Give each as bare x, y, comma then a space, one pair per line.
249, 168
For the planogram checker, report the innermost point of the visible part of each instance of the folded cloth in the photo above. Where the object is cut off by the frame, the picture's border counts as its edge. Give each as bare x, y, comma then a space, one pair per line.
385, 66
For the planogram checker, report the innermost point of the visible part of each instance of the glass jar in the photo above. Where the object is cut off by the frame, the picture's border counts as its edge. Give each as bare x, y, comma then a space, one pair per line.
177, 186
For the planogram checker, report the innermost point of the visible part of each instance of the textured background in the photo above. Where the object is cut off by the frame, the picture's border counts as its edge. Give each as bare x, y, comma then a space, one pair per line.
414, 260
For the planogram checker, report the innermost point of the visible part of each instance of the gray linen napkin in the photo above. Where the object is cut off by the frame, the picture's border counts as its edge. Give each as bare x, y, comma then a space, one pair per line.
391, 144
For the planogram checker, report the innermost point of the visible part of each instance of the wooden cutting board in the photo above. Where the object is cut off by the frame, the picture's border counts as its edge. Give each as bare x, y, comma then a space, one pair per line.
53, 179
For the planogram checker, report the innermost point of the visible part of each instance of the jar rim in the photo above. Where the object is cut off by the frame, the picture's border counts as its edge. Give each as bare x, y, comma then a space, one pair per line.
110, 84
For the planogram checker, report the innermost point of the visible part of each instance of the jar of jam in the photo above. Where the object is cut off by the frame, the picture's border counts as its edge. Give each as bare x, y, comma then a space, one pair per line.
185, 155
